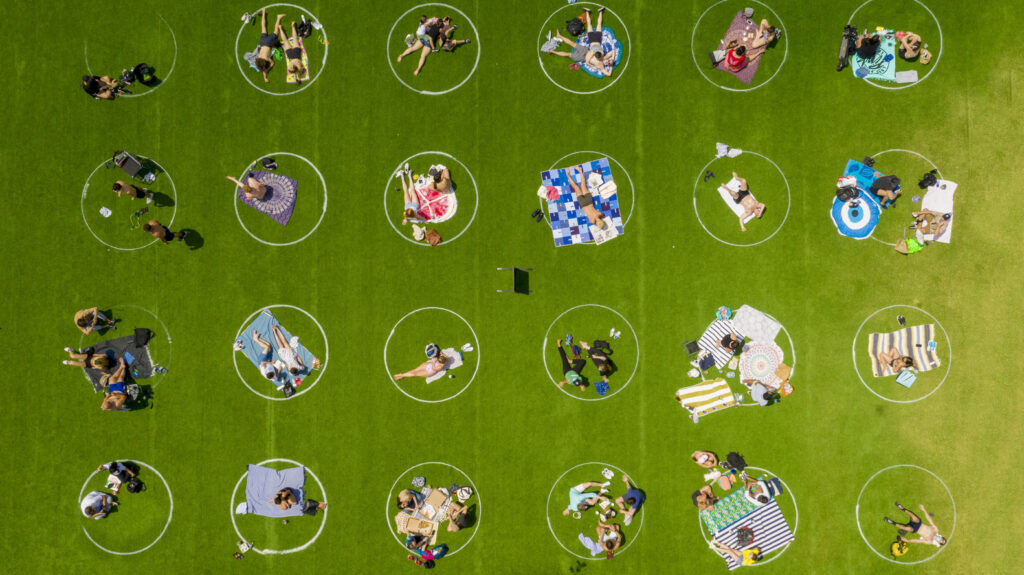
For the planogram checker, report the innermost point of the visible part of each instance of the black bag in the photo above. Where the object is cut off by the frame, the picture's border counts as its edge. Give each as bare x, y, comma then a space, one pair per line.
289, 390
744, 536
927, 180
847, 194
142, 336
602, 345
310, 507
575, 27
135, 485
736, 461
304, 28
268, 164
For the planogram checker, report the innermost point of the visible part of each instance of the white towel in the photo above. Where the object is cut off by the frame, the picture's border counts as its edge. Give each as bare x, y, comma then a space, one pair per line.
939, 198
737, 209
454, 360
756, 325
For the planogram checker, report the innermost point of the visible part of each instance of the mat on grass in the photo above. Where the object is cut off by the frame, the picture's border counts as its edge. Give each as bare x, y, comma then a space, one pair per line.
939, 199
280, 199
569, 224
435, 206
290, 77
114, 349
609, 44
262, 483
711, 340
910, 341
707, 397
771, 532
455, 360
727, 511
858, 218
726, 190
756, 324
251, 350
743, 31
883, 65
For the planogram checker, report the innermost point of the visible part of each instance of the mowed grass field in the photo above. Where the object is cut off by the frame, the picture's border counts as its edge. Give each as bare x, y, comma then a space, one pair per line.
511, 433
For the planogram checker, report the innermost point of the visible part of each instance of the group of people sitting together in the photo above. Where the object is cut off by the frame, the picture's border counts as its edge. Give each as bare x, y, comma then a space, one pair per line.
98, 504
609, 535
117, 393
421, 512
910, 47
152, 227
737, 53
290, 47
728, 474
432, 35
587, 48
288, 358
598, 353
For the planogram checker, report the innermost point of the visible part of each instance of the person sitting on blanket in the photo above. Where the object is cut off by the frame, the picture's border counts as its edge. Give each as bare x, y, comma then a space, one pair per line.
445, 35
910, 45
252, 189
580, 500
755, 490
867, 46
894, 360
134, 192
458, 516
117, 392
100, 87
741, 558
610, 537
731, 342
440, 179
586, 199
409, 500
704, 498
424, 42
286, 351
87, 360
89, 319
292, 51
886, 188
582, 55
571, 371
265, 51
927, 534
268, 367
930, 222
285, 498
743, 198
634, 499
426, 369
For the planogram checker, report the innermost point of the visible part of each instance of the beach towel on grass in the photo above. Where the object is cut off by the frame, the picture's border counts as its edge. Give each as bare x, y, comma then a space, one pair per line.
280, 199
707, 397
712, 339
455, 360
755, 324
864, 175
727, 511
569, 224
290, 77
114, 349
724, 191
252, 350
263, 483
883, 65
939, 199
609, 45
771, 532
435, 207
910, 341
740, 30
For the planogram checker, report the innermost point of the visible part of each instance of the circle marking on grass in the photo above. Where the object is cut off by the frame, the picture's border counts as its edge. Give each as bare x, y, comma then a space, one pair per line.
387, 342
323, 62
162, 324
540, 57
949, 361
323, 366
913, 153
170, 512
174, 60
428, 92
305, 545
931, 65
85, 192
544, 204
789, 202
856, 514
479, 503
236, 201
476, 202
639, 527
544, 351
693, 53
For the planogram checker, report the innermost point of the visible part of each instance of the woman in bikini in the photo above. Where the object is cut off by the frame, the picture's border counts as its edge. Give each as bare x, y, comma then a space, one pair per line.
87, 360
292, 51
252, 189
424, 41
586, 199
265, 52
894, 360
410, 212
751, 207
426, 369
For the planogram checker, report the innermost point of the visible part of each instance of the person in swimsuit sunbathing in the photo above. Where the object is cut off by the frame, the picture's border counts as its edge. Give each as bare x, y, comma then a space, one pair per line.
743, 198
894, 360
265, 52
410, 212
292, 51
426, 369
88, 360
284, 498
927, 534
160, 232
252, 189
286, 351
117, 393
586, 199
590, 53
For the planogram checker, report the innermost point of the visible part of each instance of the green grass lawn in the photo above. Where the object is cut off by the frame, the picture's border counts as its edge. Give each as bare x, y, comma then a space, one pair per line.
501, 424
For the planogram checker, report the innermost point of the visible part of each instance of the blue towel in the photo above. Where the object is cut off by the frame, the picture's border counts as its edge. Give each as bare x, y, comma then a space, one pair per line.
263, 483
608, 43
263, 322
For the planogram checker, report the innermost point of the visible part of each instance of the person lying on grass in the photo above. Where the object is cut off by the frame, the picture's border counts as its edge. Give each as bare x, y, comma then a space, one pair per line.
265, 51
124, 188
447, 29
580, 500
162, 232
411, 208
571, 370
589, 52
428, 30
292, 51
751, 207
252, 189
910, 45
586, 199
426, 369
89, 319
87, 360
927, 534
741, 558
894, 360
100, 87
117, 393
600, 359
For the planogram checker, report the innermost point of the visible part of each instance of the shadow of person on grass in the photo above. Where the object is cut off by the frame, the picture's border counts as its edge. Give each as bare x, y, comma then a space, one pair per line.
145, 400
162, 200
193, 240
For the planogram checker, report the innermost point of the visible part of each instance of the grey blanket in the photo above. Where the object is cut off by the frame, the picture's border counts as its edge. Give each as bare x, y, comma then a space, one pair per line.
141, 368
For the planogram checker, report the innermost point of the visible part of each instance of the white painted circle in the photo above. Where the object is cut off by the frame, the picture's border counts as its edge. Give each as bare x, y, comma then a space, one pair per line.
174, 60
544, 352
306, 387
693, 53
640, 526
625, 64
949, 361
476, 201
931, 65
85, 191
428, 92
162, 324
856, 513
387, 369
789, 202
796, 522
236, 201
479, 504
305, 545
913, 153
170, 513
544, 203
304, 85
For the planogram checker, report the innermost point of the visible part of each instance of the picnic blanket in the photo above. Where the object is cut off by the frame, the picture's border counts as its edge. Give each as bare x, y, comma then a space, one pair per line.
455, 360
759, 362
755, 324
724, 191
610, 45
280, 199
911, 341
251, 350
883, 65
771, 532
569, 224
290, 77
707, 397
743, 30
114, 349
712, 339
857, 219
727, 511
939, 198
435, 206
262, 483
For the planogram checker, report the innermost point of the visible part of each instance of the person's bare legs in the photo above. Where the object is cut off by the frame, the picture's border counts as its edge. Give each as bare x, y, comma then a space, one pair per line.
281, 37
409, 190
590, 484
264, 345
282, 343
600, 16
736, 555
558, 35
416, 46
589, 27
263, 21
295, 36
420, 371
423, 58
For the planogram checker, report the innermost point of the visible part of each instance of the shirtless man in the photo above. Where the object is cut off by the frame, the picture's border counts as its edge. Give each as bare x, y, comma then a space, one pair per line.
161, 232
586, 199
927, 534
751, 207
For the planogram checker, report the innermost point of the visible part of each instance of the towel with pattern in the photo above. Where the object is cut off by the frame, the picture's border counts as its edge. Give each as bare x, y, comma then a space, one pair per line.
910, 341
280, 199
290, 77
771, 532
712, 339
569, 224
743, 31
435, 206
883, 65
609, 44
707, 397
756, 324
727, 511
